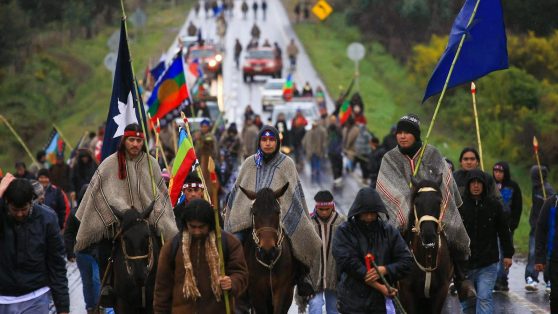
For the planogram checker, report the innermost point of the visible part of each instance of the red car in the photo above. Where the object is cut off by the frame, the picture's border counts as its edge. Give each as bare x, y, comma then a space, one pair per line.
209, 57
262, 61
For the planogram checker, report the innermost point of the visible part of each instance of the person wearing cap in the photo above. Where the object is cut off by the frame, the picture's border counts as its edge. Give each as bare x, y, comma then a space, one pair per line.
121, 182
270, 168
394, 186
360, 290
513, 205
326, 221
53, 197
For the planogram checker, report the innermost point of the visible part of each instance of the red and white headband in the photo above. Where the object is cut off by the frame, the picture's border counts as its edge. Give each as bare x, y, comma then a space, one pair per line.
193, 185
324, 204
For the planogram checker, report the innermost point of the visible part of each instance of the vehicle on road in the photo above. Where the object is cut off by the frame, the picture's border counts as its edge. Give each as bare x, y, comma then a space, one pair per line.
272, 93
261, 61
306, 105
210, 58
187, 42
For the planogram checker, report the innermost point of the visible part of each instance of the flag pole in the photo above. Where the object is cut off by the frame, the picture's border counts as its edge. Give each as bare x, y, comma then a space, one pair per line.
474, 94
445, 88
158, 130
62, 136
143, 119
216, 213
536, 149
18, 138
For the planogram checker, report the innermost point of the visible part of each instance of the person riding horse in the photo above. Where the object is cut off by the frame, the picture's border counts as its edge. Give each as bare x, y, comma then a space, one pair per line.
122, 181
271, 168
393, 185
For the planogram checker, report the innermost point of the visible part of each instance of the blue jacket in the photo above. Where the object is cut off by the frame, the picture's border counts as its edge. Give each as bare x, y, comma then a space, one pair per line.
546, 240
33, 256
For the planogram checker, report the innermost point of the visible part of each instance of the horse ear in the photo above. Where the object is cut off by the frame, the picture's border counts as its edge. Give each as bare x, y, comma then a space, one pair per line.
116, 213
148, 211
250, 194
414, 181
281, 191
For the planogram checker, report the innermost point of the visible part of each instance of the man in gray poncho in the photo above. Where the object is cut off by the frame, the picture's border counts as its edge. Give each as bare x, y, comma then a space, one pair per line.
393, 185
122, 182
271, 168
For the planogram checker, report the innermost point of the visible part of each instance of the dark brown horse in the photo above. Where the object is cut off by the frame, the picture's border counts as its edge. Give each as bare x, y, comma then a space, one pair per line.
135, 252
426, 288
269, 255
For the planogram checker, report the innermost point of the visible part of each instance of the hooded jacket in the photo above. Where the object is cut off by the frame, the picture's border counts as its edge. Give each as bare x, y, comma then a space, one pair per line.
511, 196
537, 197
352, 241
486, 223
83, 172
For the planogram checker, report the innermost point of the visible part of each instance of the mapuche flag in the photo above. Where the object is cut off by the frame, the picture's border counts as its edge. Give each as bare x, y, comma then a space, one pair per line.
183, 162
124, 108
169, 93
288, 88
484, 49
54, 147
345, 112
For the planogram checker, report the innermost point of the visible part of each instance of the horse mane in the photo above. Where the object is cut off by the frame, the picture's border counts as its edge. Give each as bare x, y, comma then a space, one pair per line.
265, 202
129, 218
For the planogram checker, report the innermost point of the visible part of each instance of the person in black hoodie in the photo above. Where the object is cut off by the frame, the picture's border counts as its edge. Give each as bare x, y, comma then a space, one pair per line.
359, 290
486, 224
83, 169
546, 253
513, 202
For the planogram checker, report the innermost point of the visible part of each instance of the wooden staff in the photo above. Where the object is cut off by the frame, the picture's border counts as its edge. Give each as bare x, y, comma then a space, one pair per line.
160, 146
536, 149
18, 138
474, 95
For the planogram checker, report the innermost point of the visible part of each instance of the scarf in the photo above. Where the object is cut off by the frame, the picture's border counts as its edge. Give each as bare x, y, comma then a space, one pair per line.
190, 289
411, 151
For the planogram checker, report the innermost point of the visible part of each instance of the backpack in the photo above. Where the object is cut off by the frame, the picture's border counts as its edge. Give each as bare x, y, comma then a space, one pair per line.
177, 242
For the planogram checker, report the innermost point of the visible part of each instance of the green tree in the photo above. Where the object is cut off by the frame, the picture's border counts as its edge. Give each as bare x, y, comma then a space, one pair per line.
14, 34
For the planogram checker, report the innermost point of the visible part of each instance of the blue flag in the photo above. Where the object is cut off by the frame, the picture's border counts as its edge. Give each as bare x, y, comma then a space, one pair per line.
158, 70
123, 108
484, 49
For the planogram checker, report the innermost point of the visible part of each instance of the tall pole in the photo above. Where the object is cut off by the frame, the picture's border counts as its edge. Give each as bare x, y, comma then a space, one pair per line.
216, 214
474, 94
63, 137
142, 117
357, 74
450, 72
18, 138
536, 149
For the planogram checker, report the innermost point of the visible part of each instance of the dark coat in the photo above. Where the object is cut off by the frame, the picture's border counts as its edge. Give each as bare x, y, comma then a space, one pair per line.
545, 233
460, 177
83, 172
33, 256
486, 223
170, 278
374, 163
60, 175
55, 200
352, 241
511, 196
537, 198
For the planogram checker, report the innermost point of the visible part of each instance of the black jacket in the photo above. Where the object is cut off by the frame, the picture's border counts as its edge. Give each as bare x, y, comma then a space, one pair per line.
545, 232
537, 196
55, 200
485, 222
511, 196
352, 241
33, 256
460, 177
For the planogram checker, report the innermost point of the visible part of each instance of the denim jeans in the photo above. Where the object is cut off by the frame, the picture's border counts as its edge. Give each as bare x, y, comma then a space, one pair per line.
315, 164
484, 279
502, 276
89, 271
39, 304
530, 267
327, 297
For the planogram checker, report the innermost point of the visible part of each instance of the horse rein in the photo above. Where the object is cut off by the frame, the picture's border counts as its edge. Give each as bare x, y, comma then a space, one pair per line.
279, 245
127, 257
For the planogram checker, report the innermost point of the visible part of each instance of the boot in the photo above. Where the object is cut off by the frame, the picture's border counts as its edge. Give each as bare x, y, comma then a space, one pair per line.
464, 286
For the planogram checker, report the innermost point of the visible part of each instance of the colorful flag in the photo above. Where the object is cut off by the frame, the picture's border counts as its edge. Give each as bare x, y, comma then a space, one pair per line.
169, 93
288, 88
484, 49
183, 162
123, 109
345, 112
54, 147
195, 69
158, 70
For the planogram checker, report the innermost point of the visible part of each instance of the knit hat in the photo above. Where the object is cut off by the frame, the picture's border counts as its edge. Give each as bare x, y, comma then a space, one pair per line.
409, 123
43, 173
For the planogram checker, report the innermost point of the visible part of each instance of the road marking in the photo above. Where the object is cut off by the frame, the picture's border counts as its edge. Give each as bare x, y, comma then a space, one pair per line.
516, 298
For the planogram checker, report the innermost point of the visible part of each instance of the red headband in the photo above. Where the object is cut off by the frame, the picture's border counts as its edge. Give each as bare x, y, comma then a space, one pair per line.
332, 203
193, 185
133, 134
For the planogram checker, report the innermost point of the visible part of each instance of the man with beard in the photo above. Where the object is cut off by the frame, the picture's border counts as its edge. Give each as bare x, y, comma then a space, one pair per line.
269, 168
188, 275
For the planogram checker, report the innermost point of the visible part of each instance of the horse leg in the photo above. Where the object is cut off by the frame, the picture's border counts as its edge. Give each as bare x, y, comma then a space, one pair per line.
282, 299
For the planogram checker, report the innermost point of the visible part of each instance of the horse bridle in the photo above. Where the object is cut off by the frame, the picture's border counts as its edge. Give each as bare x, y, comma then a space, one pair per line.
280, 237
148, 256
416, 229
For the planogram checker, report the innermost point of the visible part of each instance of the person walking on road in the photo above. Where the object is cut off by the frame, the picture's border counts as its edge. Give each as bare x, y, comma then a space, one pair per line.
537, 201
360, 290
292, 53
264, 9
297, 11
335, 150
54, 197
192, 29
32, 265
249, 137
513, 203
315, 146
244, 9
350, 135
487, 225
363, 151
255, 32
546, 241
237, 52
255, 9
188, 276
326, 220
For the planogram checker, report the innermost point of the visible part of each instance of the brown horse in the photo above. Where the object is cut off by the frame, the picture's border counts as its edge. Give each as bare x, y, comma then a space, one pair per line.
269, 255
135, 254
426, 288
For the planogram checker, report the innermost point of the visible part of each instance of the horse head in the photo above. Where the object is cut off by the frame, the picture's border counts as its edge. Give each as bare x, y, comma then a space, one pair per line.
425, 214
266, 215
136, 242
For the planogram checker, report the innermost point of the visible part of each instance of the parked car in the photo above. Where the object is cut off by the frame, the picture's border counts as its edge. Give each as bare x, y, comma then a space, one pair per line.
272, 93
261, 61
209, 56
307, 106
